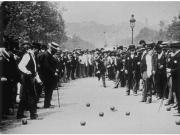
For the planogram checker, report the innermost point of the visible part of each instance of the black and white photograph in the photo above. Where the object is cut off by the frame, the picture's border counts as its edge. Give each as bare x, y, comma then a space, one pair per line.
89, 67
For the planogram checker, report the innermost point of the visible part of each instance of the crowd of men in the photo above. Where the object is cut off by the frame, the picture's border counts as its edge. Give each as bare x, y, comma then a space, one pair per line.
31, 69
152, 69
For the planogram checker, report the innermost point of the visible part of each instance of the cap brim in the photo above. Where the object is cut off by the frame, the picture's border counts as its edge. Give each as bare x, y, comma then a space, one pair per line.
56, 48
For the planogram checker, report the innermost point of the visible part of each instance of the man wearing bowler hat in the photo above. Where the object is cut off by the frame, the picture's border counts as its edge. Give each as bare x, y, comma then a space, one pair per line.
161, 78
130, 68
49, 71
174, 71
118, 67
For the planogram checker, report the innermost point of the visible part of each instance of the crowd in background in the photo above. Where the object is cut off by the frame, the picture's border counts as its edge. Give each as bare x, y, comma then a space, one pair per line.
29, 70
148, 68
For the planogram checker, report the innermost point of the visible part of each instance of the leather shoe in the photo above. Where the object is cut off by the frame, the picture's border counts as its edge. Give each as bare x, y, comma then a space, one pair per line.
142, 101
52, 106
176, 114
34, 116
149, 100
178, 122
49, 106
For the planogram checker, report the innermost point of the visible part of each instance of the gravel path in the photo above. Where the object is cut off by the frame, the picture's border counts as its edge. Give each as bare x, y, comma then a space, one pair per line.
143, 118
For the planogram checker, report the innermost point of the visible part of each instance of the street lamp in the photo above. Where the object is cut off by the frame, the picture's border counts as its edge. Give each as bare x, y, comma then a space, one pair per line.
132, 25
105, 44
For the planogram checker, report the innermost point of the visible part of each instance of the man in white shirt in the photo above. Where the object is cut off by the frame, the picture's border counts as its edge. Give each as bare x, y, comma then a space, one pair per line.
150, 71
28, 68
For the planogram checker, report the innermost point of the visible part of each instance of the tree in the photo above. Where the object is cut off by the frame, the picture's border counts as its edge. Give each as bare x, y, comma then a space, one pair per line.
147, 34
161, 24
34, 21
76, 42
162, 32
173, 31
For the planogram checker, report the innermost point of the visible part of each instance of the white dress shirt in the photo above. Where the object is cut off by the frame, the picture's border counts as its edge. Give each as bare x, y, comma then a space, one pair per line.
23, 63
149, 65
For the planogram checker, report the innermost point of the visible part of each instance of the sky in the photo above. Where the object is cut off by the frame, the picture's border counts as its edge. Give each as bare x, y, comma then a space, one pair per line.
119, 11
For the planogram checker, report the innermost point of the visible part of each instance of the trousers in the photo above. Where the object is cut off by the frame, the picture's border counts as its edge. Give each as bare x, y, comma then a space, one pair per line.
49, 86
28, 96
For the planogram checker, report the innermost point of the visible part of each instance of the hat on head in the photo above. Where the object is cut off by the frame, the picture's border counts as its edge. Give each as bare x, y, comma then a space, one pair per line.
175, 45
158, 47
120, 47
142, 42
131, 47
43, 46
36, 45
25, 46
54, 45
26, 43
159, 42
150, 45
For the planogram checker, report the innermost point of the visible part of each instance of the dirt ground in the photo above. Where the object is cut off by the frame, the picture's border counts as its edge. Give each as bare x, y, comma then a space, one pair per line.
143, 118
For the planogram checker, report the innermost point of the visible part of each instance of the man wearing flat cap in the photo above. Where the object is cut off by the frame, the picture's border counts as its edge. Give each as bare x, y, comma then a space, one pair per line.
142, 43
28, 68
148, 68
49, 71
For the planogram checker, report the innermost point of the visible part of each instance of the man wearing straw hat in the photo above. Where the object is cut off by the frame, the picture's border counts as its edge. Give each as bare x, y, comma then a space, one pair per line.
49, 72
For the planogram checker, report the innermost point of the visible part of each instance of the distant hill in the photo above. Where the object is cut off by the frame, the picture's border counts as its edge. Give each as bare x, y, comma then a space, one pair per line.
94, 32
76, 42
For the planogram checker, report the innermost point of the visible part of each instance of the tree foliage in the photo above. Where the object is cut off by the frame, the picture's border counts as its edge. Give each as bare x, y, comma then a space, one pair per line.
173, 31
76, 42
151, 35
147, 34
34, 21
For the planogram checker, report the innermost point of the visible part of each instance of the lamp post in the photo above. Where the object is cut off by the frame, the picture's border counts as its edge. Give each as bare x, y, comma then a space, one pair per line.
105, 44
132, 25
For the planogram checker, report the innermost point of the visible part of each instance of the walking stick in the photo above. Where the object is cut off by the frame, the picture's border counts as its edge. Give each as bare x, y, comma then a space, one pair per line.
58, 96
58, 93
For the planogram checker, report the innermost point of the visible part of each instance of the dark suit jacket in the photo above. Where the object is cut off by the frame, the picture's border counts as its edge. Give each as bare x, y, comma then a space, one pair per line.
48, 66
130, 64
137, 66
143, 66
175, 66
161, 62
119, 65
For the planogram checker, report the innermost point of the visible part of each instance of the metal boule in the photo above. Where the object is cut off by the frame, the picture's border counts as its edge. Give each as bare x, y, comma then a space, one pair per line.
83, 123
127, 113
112, 108
101, 114
88, 104
168, 109
24, 121
177, 122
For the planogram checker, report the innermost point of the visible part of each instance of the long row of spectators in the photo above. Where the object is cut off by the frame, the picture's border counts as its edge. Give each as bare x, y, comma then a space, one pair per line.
33, 69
